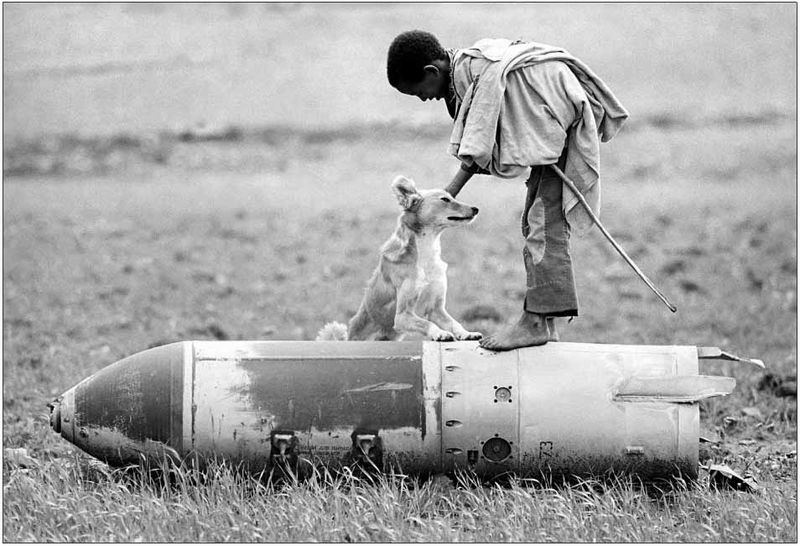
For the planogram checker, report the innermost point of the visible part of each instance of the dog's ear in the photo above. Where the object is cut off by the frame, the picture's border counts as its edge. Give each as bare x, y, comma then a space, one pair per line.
406, 192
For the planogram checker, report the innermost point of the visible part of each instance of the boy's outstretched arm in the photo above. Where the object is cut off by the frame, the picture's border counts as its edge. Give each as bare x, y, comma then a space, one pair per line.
461, 177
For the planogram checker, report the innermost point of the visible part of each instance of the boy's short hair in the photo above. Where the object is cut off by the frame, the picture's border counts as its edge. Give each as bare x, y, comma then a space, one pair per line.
409, 54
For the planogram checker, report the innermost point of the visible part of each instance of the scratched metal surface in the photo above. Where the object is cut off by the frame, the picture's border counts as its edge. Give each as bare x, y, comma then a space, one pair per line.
322, 393
134, 401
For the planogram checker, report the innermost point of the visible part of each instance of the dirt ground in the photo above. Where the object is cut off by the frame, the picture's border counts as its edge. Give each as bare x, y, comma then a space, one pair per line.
127, 224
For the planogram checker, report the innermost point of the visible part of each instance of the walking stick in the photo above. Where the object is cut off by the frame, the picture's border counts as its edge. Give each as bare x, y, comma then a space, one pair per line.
571, 185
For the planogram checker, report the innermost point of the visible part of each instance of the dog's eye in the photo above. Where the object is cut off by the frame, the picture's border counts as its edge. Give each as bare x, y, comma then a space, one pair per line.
446, 199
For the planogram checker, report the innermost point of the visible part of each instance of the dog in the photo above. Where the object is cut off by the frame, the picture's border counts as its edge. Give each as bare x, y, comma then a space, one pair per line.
406, 293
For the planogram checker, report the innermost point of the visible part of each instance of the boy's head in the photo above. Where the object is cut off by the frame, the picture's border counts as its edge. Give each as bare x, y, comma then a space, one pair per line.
418, 65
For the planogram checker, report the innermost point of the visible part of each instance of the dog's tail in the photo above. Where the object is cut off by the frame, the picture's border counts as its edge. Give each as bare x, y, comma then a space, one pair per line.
333, 331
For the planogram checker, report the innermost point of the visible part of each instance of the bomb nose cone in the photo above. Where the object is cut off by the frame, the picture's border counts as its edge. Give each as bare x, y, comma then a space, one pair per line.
62, 412
55, 414
128, 409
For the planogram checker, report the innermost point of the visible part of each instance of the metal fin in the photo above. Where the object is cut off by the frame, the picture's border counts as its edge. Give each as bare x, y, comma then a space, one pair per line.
680, 389
717, 353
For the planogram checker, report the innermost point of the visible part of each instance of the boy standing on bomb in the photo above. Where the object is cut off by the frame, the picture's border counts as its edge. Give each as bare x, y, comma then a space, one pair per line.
519, 105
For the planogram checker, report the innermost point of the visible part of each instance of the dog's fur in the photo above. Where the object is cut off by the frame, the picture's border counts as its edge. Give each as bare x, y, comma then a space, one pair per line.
406, 293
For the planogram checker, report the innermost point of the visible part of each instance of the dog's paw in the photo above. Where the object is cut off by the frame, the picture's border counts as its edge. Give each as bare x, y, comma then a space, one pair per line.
443, 335
469, 336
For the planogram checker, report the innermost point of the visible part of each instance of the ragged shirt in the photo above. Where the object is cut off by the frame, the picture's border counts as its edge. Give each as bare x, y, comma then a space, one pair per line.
518, 103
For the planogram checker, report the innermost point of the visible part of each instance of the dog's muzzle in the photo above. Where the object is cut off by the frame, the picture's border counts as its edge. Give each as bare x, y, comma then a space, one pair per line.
464, 218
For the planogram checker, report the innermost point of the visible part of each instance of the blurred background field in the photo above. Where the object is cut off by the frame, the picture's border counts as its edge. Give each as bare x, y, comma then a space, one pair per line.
125, 68
176, 171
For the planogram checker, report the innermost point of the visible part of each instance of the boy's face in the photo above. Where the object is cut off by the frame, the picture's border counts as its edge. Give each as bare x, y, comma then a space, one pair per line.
432, 86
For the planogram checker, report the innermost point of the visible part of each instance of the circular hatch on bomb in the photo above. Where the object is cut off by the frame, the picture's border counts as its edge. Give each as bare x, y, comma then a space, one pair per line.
496, 449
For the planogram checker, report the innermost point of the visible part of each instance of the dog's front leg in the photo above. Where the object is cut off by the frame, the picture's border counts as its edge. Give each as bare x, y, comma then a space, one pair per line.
434, 296
406, 319
444, 319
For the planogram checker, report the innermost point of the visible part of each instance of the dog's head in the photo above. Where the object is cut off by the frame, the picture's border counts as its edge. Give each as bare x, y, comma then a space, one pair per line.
435, 209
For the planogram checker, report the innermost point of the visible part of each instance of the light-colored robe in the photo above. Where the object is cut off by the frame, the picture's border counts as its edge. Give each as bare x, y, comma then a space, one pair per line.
515, 109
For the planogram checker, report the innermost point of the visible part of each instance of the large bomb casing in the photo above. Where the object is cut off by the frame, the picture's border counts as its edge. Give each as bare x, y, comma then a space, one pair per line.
420, 407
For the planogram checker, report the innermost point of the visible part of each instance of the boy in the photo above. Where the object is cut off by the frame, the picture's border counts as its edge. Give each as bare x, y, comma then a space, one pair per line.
520, 105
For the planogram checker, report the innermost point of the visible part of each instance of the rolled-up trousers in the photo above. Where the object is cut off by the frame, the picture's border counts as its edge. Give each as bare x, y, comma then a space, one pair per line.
548, 264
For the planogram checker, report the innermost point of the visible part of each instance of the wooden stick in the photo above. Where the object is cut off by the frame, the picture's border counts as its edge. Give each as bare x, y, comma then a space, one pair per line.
571, 185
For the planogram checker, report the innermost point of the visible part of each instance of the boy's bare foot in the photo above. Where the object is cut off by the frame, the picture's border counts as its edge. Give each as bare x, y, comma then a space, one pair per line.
530, 330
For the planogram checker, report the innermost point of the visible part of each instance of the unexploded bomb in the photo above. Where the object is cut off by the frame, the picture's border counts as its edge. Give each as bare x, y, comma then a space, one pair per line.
419, 407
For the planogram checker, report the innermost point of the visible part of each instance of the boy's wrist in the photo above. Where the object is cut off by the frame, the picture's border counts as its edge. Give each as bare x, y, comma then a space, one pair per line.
461, 177
473, 169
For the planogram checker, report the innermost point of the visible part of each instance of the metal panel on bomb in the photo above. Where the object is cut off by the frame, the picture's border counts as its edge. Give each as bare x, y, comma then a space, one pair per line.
327, 404
596, 429
568, 408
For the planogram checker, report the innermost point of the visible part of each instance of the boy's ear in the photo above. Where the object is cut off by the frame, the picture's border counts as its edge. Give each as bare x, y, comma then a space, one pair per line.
431, 69
406, 192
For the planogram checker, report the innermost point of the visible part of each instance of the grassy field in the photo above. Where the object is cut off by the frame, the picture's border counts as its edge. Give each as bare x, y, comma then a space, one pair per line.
79, 503
121, 232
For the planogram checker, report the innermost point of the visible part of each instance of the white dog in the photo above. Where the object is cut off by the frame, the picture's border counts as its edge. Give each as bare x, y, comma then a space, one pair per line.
407, 291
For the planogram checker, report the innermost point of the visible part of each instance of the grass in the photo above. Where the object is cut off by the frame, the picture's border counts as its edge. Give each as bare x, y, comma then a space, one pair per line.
77, 502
